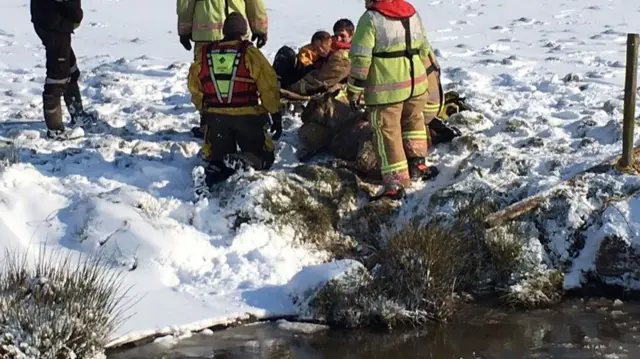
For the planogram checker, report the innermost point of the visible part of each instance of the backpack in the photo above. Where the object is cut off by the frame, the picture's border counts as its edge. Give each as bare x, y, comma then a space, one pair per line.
284, 65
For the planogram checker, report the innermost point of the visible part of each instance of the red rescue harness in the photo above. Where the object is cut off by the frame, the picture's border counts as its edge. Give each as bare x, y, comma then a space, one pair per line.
235, 89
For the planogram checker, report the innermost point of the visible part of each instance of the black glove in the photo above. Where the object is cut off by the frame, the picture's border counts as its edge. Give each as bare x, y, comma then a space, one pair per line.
262, 39
185, 40
276, 126
355, 106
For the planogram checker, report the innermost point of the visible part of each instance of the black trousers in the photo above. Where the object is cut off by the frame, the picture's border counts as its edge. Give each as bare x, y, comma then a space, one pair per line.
62, 68
62, 78
225, 133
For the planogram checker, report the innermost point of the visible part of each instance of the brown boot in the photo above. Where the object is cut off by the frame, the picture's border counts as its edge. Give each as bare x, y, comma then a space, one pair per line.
52, 112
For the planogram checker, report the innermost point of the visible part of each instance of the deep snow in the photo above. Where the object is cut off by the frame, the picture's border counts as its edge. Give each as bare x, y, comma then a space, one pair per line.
126, 184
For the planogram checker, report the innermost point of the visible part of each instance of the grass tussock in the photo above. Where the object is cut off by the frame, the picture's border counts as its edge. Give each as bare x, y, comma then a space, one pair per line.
312, 205
59, 307
423, 269
540, 290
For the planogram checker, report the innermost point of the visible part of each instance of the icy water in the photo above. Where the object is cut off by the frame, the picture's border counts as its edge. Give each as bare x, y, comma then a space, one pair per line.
577, 329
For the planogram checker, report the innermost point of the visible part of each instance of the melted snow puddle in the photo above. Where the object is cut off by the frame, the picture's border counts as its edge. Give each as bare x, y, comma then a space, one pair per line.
578, 329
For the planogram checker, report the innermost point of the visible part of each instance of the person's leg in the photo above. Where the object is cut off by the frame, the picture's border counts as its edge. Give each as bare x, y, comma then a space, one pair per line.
256, 145
58, 65
219, 141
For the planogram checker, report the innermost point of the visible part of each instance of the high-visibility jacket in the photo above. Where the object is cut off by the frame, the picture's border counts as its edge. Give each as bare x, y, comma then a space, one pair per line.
388, 57
435, 102
203, 19
234, 78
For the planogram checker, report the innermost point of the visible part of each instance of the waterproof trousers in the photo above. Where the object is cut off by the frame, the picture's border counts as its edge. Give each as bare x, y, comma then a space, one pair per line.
225, 133
61, 78
399, 134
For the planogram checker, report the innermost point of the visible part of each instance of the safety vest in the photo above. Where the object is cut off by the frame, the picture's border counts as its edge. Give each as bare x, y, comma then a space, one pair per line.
386, 58
225, 77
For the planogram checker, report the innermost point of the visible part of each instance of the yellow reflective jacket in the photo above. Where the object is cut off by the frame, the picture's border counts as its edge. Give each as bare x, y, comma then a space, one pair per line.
260, 71
203, 19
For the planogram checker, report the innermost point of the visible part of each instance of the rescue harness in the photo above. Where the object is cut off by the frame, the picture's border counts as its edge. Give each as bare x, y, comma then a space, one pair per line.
225, 76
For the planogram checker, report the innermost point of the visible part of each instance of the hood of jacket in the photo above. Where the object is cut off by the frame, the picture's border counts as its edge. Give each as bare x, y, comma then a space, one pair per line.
395, 9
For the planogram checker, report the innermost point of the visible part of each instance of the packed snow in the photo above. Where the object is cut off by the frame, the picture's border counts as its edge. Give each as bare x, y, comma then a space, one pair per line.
125, 187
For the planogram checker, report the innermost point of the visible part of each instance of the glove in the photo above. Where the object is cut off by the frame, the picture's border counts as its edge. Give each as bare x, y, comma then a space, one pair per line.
185, 40
354, 100
276, 126
262, 39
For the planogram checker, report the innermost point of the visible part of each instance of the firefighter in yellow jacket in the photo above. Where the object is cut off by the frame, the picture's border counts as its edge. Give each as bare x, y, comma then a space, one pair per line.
201, 21
390, 55
236, 91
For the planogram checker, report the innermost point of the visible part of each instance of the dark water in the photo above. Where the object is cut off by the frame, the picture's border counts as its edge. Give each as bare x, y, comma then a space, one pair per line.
578, 329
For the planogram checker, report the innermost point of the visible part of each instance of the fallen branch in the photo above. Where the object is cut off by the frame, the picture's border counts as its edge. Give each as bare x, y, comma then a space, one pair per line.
523, 206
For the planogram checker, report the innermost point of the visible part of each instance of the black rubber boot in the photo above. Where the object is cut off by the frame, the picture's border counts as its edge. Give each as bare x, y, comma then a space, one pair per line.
217, 172
73, 100
418, 169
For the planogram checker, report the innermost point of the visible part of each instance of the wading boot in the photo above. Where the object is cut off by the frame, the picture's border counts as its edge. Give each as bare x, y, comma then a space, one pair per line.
53, 120
73, 100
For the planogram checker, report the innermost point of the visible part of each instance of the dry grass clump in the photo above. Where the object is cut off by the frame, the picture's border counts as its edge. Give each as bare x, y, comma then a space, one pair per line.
421, 271
59, 307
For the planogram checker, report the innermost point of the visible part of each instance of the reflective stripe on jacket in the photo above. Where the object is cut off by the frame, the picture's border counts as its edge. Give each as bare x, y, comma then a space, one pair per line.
435, 102
225, 77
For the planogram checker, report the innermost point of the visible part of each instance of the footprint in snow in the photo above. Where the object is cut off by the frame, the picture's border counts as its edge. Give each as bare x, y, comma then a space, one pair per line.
524, 20
6, 34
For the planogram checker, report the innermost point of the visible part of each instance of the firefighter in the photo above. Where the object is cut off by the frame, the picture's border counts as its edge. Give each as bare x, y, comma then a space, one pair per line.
332, 71
389, 59
236, 91
201, 22
54, 21
321, 116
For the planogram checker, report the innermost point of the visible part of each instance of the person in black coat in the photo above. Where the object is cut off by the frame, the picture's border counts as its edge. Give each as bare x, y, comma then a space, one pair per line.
54, 22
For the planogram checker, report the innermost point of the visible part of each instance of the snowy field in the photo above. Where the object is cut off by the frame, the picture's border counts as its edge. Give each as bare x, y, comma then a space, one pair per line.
126, 185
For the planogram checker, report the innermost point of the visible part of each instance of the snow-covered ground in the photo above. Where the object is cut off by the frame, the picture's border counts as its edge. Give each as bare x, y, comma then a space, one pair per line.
125, 187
